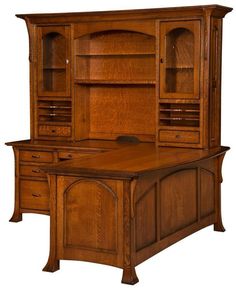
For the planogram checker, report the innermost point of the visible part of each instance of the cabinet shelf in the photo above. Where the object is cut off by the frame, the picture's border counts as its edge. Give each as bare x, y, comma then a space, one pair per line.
54, 68
180, 110
123, 54
179, 119
55, 107
49, 123
115, 82
180, 67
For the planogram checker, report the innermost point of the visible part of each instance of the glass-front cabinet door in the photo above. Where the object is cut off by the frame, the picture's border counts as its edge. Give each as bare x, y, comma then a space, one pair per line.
180, 59
54, 61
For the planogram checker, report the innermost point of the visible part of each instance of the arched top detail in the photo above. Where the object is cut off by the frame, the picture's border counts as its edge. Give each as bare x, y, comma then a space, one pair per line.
180, 171
97, 182
179, 31
96, 31
115, 41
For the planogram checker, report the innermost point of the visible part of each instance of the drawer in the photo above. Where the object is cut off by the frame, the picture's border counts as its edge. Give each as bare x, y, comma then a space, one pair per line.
62, 131
31, 170
179, 136
73, 155
34, 195
36, 156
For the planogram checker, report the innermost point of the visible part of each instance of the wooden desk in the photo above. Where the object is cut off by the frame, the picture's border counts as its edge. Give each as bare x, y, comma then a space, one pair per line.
122, 207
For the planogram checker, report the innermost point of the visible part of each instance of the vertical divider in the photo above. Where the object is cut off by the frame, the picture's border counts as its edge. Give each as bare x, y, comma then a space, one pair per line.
157, 88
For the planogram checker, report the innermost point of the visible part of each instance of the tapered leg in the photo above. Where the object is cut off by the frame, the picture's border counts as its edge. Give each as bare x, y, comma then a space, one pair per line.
16, 217
218, 226
52, 265
129, 276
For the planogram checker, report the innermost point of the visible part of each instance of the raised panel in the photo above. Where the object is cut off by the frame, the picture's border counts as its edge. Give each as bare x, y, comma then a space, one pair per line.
207, 192
178, 194
146, 219
90, 216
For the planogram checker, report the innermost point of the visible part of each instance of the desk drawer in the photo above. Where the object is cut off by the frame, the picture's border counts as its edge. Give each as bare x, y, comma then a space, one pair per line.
179, 136
34, 195
36, 156
67, 155
56, 131
31, 170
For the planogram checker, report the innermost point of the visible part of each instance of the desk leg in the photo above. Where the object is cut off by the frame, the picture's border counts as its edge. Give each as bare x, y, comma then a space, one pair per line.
17, 215
218, 226
53, 263
129, 274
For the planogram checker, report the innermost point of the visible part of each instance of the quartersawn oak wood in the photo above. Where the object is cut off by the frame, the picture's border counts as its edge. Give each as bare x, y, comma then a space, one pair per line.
152, 199
125, 152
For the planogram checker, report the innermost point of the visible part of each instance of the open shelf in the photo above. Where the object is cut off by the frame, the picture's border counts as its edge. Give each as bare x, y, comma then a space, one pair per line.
175, 114
114, 82
129, 54
109, 67
54, 111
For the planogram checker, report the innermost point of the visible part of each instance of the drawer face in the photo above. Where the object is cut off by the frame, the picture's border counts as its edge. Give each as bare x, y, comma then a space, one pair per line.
73, 155
36, 156
179, 136
55, 131
34, 195
31, 170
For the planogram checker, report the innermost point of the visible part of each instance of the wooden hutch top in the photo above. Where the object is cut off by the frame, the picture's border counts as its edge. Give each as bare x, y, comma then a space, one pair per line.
153, 13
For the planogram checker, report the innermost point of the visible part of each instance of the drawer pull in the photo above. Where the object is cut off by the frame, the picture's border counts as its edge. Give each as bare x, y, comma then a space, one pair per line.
177, 136
36, 170
36, 195
35, 156
53, 131
69, 156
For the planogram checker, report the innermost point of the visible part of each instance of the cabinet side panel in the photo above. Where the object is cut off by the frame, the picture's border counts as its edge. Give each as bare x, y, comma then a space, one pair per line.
215, 83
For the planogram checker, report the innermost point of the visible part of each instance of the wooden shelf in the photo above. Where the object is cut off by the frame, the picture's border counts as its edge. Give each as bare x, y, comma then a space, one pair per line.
54, 68
180, 67
179, 119
123, 54
54, 107
179, 101
180, 110
54, 123
115, 82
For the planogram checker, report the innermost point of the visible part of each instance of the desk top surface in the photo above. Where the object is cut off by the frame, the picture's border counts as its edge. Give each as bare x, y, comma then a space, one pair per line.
132, 160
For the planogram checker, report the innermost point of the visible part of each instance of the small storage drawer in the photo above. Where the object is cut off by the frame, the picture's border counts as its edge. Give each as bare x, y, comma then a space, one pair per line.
31, 170
34, 195
73, 155
179, 136
60, 131
36, 156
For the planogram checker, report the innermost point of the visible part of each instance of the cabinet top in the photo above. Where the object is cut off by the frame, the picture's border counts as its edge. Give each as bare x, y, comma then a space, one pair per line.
214, 10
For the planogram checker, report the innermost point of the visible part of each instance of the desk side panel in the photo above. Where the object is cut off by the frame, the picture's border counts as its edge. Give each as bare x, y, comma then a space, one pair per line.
173, 204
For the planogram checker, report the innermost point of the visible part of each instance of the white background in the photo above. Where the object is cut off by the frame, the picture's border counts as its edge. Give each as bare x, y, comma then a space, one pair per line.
205, 260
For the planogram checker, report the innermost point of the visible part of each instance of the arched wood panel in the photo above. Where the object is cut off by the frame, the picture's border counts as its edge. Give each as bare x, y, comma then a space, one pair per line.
90, 216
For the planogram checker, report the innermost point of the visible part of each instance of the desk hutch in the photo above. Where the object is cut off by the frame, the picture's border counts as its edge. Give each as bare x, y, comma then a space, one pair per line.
124, 151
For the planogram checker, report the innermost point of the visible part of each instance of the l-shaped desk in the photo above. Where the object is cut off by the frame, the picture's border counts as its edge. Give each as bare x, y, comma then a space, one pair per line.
122, 207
